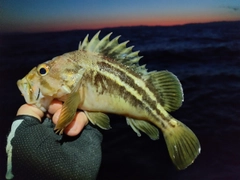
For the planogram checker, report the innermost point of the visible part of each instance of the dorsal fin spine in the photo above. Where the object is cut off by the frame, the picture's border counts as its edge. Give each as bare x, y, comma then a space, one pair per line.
112, 43
133, 54
119, 48
118, 52
94, 41
84, 44
127, 50
102, 43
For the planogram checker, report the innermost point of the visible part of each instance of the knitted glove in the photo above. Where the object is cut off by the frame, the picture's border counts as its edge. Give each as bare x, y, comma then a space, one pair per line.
36, 152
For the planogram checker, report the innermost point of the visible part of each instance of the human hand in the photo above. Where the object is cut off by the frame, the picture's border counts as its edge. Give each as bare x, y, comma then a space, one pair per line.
36, 152
74, 128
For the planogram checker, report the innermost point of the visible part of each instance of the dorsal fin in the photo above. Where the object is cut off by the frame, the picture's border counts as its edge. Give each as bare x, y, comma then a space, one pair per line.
112, 49
168, 88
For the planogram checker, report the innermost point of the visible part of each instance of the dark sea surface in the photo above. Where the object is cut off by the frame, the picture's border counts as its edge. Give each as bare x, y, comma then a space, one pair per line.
206, 59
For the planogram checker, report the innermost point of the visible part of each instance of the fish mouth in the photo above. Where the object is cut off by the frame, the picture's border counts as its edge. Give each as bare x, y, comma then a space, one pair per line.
26, 90
32, 95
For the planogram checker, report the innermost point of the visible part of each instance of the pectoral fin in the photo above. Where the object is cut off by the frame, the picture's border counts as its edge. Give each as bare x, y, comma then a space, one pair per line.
68, 112
143, 126
99, 119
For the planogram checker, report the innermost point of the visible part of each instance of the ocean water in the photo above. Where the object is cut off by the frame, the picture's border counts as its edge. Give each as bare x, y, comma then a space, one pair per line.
206, 59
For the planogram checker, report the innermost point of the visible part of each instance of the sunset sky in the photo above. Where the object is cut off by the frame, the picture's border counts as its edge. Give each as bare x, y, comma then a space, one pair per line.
59, 15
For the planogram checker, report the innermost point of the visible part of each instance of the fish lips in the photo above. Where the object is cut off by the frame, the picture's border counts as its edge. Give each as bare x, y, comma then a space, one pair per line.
26, 90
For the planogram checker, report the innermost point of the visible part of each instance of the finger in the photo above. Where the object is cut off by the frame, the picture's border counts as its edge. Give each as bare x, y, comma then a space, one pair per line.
31, 110
76, 126
56, 116
54, 106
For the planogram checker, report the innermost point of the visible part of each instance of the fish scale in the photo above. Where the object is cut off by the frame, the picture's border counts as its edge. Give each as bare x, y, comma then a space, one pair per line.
104, 76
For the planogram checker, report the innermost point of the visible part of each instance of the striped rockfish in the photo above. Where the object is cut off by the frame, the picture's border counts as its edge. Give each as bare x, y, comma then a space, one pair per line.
104, 76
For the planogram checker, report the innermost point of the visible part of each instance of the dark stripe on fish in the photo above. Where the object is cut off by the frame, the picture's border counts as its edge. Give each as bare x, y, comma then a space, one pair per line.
124, 77
46, 84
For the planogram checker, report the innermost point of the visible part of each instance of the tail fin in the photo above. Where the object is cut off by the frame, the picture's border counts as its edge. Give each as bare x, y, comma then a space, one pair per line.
183, 145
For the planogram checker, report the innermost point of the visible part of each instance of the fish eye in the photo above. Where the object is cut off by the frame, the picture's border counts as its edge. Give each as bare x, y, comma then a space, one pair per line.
42, 69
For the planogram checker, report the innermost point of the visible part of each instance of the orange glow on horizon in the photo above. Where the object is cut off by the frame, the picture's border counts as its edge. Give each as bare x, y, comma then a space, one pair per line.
54, 16
118, 22
98, 24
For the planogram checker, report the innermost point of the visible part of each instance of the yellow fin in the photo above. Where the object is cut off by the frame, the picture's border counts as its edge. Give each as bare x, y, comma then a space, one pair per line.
169, 89
99, 119
183, 145
69, 109
143, 126
68, 112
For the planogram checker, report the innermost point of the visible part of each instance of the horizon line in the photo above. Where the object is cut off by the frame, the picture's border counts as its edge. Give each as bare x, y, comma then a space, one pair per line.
115, 27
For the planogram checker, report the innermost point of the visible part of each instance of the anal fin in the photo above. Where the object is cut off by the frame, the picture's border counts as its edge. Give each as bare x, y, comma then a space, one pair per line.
98, 118
143, 126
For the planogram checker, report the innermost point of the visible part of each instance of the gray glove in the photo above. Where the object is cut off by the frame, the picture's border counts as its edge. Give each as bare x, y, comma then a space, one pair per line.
36, 152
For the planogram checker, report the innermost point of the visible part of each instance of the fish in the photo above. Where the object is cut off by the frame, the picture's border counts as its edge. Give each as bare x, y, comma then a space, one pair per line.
104, 76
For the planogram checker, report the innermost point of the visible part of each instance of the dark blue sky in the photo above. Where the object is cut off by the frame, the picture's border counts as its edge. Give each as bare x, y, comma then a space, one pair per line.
53, 15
